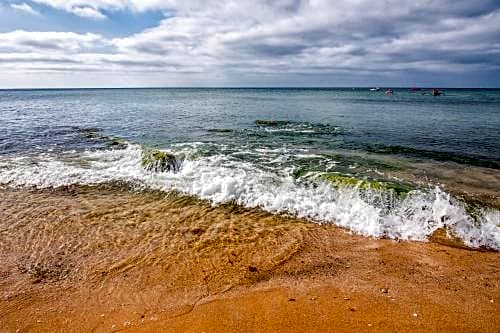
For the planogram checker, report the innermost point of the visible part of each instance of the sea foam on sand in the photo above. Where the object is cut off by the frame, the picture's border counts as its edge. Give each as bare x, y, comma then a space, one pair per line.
220, 179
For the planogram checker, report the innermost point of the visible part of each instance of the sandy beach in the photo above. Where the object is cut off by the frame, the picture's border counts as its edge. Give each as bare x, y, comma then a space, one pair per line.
249, 166
107, 259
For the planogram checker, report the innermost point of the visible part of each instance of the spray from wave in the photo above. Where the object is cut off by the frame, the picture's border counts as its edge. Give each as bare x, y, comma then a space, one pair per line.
220, 179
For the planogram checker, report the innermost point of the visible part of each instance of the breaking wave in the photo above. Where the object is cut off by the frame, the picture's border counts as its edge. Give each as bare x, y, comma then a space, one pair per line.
220, 179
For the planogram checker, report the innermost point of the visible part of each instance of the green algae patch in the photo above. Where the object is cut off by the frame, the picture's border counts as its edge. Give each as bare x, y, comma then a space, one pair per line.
220, 130
261, 122
399, 188
477, 205
300, 172
340, 180
117, 143
365, 161
159, 161
95, 134
91, 133
435, 155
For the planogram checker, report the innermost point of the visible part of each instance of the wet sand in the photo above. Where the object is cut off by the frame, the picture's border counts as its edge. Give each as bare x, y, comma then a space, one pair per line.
107, 259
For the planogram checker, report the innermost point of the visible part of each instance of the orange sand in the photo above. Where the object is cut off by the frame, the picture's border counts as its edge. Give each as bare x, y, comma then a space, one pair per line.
106, 259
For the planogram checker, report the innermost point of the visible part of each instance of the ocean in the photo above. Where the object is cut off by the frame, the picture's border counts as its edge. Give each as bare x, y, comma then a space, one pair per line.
398, 166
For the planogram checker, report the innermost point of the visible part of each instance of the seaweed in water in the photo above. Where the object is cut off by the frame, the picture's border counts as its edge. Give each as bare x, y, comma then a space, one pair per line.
272, 122
349, 181
220, 130
435, 155
159, 161
96, 134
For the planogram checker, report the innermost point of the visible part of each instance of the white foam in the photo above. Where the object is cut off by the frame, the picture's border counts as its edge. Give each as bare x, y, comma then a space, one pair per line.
221, 179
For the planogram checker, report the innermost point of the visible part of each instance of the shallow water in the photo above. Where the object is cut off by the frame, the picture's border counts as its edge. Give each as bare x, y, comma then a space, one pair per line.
103, 258
398, 166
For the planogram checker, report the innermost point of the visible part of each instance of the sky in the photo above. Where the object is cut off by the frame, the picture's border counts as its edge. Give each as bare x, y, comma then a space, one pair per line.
240, 43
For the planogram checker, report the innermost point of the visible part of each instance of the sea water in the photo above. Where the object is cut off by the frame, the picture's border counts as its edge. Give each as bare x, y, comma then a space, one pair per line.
399, 166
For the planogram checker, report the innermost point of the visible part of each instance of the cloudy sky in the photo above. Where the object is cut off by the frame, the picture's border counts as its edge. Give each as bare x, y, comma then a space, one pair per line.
114, 43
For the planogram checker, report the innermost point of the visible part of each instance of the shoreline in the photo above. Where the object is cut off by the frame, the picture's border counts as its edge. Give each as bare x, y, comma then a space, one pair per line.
106, 259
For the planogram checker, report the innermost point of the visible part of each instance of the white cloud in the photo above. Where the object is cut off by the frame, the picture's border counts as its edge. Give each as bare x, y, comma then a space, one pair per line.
88, 12
83, 8
24, 7
232, 40
48, 42
94, 8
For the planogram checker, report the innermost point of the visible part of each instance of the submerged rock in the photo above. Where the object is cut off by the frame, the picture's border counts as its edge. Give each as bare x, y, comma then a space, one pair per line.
340, 180
117, 143
92, 134
159, 161
95, 134
220, 130
300, 172
261, 122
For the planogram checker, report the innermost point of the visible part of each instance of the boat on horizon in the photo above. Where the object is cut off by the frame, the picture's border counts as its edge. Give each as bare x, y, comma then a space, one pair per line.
436, 92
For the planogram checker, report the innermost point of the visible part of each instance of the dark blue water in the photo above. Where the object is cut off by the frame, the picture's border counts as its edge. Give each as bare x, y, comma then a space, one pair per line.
462, 122
398, 166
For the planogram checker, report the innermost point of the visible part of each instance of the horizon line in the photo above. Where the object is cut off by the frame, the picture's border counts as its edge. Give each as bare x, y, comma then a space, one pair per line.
244, 87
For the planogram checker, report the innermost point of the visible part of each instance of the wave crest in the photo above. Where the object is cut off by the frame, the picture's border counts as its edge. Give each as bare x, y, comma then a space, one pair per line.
219, 179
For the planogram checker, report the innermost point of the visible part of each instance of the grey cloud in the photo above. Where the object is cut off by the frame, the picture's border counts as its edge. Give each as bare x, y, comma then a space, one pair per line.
140, 63
232, 39
31, 60
41, 44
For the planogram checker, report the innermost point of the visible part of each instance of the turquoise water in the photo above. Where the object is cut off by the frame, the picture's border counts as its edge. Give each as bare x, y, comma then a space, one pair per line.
330, 155
462, 122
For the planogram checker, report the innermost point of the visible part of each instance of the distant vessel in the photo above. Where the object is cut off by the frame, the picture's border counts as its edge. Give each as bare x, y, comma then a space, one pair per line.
436, 92
375, 89
389, 92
